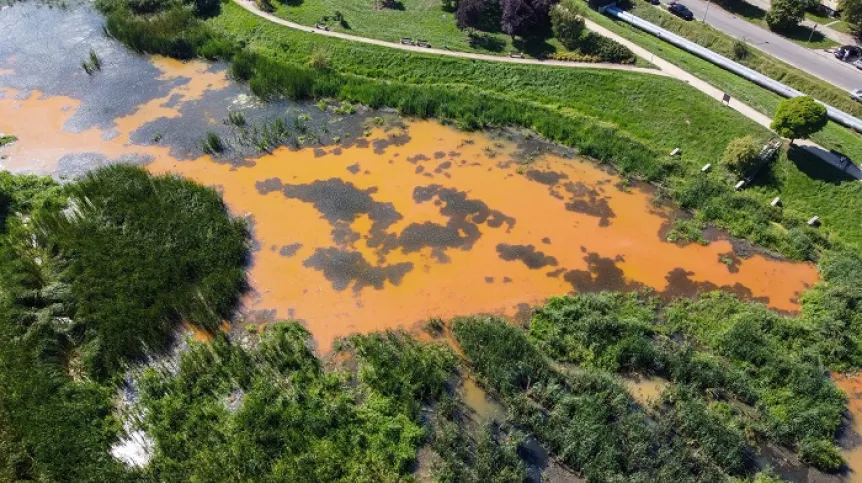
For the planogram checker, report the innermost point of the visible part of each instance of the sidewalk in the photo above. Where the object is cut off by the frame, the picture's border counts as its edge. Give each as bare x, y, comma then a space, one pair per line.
711, 91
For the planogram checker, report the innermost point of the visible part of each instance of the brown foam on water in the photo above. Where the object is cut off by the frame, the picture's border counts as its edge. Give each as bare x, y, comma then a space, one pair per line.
438, 227
38, 120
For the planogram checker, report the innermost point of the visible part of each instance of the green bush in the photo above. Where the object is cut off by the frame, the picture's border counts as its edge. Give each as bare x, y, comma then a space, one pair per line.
740, 49
821, 454
567, 23
799, 118
742, 155
605, 49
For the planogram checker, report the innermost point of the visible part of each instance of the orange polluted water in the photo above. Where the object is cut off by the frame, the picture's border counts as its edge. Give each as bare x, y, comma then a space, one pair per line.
431, 223
378, 236
37, 120
852, 386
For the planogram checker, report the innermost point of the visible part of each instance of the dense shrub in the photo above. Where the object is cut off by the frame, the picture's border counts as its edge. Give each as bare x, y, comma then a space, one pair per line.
742, 155
821, 454
798, 402
567, 23
606, 49
140, 254
290, 420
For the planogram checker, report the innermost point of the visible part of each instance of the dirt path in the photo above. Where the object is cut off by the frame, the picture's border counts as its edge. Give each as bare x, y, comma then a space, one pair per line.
663, 67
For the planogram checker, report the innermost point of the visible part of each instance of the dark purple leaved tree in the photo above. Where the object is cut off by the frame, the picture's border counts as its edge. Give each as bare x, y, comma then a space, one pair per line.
469, 13
518, 17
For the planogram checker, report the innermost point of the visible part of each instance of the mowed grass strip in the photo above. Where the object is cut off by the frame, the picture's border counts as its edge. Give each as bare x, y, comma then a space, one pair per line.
834, 136
661, 112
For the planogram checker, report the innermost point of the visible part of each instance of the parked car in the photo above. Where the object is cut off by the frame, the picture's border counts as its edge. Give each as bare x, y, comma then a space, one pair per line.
856, 94
843, 160
680, 11
858, 64
848, 53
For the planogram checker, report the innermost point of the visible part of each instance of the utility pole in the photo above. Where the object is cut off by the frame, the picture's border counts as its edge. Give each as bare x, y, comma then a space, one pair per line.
812, 33
706, 11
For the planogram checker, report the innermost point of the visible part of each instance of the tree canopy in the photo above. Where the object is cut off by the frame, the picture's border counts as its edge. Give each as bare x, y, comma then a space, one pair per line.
851, 12
799, 118
785, 14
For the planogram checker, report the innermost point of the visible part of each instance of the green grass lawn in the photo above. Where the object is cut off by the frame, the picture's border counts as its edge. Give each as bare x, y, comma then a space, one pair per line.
834, 136
811, 187
661, 112
417, 19
842, 27
835, 23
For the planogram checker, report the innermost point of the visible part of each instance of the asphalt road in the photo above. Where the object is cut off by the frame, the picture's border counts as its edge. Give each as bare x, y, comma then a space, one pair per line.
819, 63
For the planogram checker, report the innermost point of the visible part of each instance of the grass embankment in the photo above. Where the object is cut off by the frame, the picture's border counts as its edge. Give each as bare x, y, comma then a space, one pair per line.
833, 136
717, 41
661, 113
416, 19
629, 119
85, 289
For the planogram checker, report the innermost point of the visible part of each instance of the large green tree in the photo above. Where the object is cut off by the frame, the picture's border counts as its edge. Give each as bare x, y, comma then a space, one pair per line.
851, 12
785, 14
799, 118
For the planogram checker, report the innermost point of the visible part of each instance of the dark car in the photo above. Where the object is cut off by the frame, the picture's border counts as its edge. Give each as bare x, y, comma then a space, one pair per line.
848, 53
680, 11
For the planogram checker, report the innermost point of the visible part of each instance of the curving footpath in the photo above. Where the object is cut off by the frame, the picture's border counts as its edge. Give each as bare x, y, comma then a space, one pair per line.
663, 68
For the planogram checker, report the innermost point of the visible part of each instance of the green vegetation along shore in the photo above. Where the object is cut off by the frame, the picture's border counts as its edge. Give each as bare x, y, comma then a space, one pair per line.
628, 119
98, 275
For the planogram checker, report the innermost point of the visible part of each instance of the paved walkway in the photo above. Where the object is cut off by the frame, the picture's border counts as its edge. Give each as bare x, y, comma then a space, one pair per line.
664, 67
706, 88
